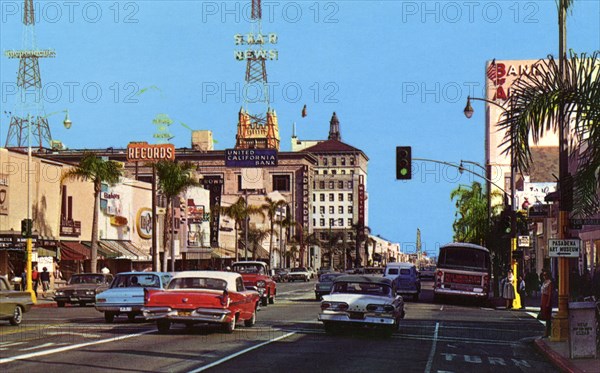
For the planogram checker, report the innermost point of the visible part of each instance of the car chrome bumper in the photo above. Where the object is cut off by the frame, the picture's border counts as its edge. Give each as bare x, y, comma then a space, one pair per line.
459, 292
345, 318
199, 315
76, 299
115, 307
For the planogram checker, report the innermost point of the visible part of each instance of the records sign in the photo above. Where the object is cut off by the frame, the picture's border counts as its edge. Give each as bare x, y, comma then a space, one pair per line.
3, 194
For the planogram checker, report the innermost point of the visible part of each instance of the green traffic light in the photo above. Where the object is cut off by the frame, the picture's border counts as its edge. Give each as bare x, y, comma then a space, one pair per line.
403, 171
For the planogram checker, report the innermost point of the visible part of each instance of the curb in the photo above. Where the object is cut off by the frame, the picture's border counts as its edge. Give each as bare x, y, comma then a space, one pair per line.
558, 360
45, 305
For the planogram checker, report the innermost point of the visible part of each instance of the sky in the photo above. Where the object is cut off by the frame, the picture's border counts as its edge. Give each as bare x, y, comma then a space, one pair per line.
397, 73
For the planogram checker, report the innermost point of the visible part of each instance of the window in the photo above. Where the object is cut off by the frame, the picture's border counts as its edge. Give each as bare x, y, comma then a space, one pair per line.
333, 172
314, 209
351, 161
343, 161
314, 222
331, 222
343, 172
324, 161
321, 185
340, 185
314, 197
340, 222
350, 184
331, 209
350, 235
239, 180
331, 197
351, 172
281, 183
323, 235
316, 172
350, 210
324, 172
349, 222
350, 197
322, 222
331, 185
340, 209
322, 197
340, 196
314, 185
334, 161
321, 209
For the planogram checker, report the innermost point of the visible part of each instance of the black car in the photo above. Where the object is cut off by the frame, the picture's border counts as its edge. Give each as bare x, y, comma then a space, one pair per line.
280, 275
325, 284
82, 288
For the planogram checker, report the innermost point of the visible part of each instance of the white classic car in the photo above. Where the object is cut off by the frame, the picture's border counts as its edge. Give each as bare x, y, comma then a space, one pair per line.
364, 301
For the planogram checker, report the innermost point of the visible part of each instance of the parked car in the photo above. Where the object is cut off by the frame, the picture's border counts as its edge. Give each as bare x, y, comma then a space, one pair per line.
126, 293
312, 272
82, 288
325, 284
208, 297
14, 303
255, 274
427, 273
363, 301
324, 270
374, 271
280, 275
407, 282
299, 274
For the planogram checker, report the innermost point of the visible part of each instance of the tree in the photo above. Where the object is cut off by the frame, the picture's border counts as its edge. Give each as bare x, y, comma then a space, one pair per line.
271, 208
255, 238
174, 178
239, 212
98, 171
333, 245
303, 239
539, 101
471, 216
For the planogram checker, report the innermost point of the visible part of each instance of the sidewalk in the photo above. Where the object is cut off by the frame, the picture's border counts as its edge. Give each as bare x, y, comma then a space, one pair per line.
44, 302
558, 354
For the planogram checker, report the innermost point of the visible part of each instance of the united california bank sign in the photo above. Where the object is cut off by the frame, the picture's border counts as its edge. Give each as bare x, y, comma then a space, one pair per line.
502, 74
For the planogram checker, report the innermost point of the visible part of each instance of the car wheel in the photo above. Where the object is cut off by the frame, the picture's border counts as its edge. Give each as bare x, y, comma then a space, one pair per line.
330, 328
416, 297
163, 326
251, 321
17, 316
317, 297
109, 317
272, 299
60, 304
131, 316
230, 326
264, 301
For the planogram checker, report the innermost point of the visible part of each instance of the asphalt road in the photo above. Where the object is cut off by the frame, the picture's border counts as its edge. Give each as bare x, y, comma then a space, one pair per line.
287, 337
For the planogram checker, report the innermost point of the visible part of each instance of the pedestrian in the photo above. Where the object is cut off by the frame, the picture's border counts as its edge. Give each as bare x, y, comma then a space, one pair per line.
546, 303
596, 283
24, 280
508, 290
34, 279
532, 284
521, 290
105, 270
45, 279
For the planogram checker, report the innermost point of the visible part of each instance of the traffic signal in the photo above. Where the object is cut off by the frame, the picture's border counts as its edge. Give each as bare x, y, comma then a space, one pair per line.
403, 163
26, 227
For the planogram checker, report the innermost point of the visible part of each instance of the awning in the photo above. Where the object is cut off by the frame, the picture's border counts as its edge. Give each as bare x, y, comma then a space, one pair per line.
73, 250
141, 253
117, 251
103, 252
197, 255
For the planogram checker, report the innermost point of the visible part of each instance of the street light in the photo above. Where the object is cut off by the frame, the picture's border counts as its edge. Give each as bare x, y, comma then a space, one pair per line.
468, 111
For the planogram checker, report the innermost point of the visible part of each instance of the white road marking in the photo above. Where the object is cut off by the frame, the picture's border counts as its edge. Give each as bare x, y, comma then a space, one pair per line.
72, 347
37, 347
433, 347
8, 344
232, 356
86, 335
441, 308
534, 315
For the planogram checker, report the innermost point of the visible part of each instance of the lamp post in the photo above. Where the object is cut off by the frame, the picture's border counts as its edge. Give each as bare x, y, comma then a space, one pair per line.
468, 111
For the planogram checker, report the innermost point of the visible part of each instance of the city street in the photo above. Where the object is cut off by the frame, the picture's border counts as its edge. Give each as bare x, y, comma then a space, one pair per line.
287, 337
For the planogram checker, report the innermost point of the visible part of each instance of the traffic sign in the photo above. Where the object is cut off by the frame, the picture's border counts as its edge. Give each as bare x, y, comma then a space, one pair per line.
566, 248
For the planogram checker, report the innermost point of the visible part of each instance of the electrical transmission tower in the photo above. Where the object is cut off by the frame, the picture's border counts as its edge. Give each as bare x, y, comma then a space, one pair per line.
29, 118
257, 128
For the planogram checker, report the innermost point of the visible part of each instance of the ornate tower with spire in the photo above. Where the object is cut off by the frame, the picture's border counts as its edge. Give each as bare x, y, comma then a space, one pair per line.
29, 123
256, 128
334, 128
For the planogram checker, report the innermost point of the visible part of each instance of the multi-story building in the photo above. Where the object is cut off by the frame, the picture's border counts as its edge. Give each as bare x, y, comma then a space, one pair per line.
339, 193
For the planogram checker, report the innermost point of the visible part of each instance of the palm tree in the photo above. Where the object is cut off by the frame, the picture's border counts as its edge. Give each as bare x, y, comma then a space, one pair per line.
98, 171
271, 208
333, 244
537, 104
255, 237
471, 216
239, 212
174, 178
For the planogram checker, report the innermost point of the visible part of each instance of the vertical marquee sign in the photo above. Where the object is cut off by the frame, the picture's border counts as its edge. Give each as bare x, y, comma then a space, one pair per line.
305, 198
361, 204
214, 184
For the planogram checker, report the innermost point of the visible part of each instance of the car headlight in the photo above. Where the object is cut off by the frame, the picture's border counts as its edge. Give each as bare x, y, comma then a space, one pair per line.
260, 284
89, 292
59, 293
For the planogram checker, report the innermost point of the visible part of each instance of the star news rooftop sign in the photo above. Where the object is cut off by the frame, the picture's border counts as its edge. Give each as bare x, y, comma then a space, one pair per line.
567, 248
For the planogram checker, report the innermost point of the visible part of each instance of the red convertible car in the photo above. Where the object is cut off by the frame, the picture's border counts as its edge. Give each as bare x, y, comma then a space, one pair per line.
202, 297
255, 275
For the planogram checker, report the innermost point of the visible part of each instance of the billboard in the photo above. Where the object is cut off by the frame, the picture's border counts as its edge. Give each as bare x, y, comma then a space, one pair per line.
251, 158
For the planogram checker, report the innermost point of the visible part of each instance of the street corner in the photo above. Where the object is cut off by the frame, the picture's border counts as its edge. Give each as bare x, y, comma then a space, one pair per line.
557, 352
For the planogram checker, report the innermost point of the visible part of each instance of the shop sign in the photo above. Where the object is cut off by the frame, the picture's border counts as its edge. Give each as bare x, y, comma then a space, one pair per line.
214, 184
118, 221
144, 152
70, 228
361, 204
250, 158
566, 248
305, 197
3, 194
143, 222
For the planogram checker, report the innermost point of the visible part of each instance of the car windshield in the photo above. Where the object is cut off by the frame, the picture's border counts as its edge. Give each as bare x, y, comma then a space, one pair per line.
369, 288
329, 277
299, 269
86, 279
136, 280
249, 268
197, 283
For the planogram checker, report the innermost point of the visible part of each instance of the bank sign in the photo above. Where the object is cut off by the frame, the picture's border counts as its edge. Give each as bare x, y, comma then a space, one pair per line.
566, 248
250, 158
